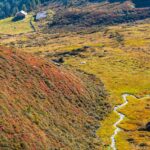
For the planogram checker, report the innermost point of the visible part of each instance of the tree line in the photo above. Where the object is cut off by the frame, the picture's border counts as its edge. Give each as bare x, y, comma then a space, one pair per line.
11, 7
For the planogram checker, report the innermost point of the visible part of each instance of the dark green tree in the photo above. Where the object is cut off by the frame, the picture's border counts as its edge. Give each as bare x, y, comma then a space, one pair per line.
38, 2
33, 3
14, 11
24, 7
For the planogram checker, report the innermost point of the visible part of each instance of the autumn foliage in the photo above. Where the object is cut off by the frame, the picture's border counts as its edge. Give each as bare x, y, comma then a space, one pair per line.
46, 107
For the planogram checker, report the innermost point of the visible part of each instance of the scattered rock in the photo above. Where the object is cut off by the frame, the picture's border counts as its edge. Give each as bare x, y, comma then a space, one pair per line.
143, 145
148, 126
83, 62
59, 60
131, 140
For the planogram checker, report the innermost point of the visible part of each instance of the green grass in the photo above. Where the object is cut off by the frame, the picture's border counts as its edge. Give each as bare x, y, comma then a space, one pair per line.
137, 116
124, 69
106, 129
7, 26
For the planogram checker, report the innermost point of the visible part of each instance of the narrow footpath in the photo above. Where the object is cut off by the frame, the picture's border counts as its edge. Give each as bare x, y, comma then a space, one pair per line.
121, 117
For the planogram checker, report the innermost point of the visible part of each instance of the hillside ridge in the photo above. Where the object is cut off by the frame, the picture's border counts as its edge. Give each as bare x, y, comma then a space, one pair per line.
10, 8
46, 107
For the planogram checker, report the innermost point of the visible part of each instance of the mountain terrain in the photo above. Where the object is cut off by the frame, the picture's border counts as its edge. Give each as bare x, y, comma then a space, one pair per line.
80, 14
62, 77
46, 107
10, 8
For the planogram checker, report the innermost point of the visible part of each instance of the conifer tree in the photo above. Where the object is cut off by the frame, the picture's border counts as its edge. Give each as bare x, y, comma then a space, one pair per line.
37, 2
24, 7
14, 11
33, 3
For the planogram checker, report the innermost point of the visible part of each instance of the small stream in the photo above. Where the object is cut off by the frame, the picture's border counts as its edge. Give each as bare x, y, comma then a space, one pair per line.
121, 117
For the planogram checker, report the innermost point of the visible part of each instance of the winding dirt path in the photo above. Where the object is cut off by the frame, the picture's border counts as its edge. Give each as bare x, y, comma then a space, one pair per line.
121, 117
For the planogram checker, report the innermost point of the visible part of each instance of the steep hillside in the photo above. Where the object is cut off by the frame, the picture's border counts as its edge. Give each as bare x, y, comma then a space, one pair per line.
119, 55
9, 8
44, 107
95, 14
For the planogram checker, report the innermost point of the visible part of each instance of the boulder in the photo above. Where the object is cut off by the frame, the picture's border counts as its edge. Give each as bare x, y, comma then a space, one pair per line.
148, 126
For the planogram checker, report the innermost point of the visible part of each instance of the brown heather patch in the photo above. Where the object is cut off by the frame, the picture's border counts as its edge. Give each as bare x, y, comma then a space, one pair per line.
46, 107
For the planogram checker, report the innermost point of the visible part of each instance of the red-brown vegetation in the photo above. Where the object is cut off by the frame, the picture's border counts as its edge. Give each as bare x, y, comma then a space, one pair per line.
46, 107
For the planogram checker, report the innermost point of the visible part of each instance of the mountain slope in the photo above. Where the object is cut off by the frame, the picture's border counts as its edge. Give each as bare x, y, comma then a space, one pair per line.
9, 8
96, 14
44, 107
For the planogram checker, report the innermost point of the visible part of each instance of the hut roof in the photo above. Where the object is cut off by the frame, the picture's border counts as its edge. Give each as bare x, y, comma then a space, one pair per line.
41, 15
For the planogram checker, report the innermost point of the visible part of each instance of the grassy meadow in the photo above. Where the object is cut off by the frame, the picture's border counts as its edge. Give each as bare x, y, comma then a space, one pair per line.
7, 26
137, 116
119, 55
124, 68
